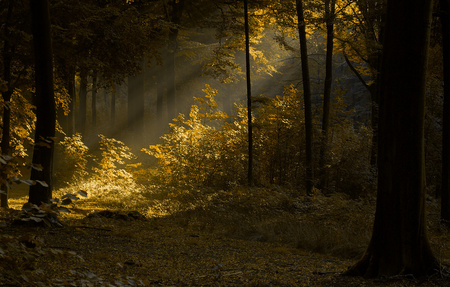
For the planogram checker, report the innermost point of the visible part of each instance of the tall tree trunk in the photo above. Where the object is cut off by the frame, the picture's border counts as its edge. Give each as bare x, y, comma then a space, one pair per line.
399, 243
249, 97
70, 82
375, 61
82, 112
94, 99
6, 128
329, 18
307, 98
376, 27
45, 104
177, 11
161, 116
445, 193
136, 99
113, 107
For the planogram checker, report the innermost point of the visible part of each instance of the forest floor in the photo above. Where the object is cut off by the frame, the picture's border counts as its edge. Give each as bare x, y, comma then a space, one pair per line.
273, 240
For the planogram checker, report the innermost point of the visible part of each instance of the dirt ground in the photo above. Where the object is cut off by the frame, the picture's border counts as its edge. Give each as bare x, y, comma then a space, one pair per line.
128, 251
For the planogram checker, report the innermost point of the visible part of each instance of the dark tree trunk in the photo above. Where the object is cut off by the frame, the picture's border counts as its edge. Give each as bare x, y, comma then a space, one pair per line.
113, 106
161, 119
82, 112
307, 98
329, 18
249, 97
6, 128
94, 99
374, 15
45, 104
399, 243
136, 99
71, 90
445, 193
177, 11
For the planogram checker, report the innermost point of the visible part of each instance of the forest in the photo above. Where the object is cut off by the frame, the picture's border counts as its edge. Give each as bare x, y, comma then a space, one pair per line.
224, 143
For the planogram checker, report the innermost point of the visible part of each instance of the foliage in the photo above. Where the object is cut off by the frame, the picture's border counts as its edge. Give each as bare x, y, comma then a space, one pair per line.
22, 122
72, 154
111, 165
209, 148
108, 174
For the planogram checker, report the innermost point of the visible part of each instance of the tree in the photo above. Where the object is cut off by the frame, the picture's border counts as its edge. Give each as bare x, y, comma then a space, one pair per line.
249, 96
175, 19
94, 99
307, 98
45, 104
6, 127
329, 19
445, 194
136, 92
399, 243
360, 42
108, 38
82, 96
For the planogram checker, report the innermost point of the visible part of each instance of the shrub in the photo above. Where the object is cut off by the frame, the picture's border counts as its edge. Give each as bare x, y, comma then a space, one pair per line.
210, 147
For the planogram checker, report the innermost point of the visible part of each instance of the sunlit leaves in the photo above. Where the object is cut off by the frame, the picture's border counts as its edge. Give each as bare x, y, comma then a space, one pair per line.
74, 153
202, 148
114, 155
209, 146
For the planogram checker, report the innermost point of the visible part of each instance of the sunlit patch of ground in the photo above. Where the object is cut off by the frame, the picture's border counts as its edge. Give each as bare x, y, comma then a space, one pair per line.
209, 237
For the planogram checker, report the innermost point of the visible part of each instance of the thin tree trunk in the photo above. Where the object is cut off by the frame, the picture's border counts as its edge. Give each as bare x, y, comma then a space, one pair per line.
113, 107
94, 99
136, 107
45, 105
6, 128
161, 118
8, 52
399, 243
249, 97
445, 193
307, 98
71, 90
82, 112
177, 11
329, 18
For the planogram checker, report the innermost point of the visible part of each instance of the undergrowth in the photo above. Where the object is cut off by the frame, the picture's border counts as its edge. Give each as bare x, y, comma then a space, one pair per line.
198, 181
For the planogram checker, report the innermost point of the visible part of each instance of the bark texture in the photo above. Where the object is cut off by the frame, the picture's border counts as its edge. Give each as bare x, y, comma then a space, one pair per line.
45, 105
307, 98
399, 243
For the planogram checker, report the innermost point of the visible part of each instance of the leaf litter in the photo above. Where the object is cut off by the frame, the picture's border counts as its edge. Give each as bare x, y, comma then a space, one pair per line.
126, 248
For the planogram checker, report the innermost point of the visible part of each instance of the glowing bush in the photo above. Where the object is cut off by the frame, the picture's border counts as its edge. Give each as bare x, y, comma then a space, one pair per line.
210, 147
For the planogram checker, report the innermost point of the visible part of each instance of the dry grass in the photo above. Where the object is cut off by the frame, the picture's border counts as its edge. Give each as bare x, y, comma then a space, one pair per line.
193, 232
334, 225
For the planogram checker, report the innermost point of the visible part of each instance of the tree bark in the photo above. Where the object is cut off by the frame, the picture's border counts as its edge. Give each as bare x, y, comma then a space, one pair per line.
374, 20
399, 243
445, 193
94, 99
161, 116
136, 99
82, 111
71, 90
329, 18
177, 11
45, 104
249, 96
307, 98
6, 128
113, 106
